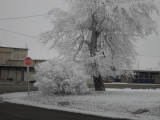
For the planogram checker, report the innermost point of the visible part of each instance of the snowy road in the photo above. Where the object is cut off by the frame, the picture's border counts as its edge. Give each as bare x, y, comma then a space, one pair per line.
10, 111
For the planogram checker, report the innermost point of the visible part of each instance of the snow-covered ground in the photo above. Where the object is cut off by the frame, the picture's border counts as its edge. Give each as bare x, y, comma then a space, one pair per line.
123, 103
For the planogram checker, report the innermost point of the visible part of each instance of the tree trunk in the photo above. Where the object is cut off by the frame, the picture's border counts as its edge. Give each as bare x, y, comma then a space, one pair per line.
98, 83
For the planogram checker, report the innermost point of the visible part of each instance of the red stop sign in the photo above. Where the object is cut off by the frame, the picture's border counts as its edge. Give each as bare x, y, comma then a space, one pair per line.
28, 61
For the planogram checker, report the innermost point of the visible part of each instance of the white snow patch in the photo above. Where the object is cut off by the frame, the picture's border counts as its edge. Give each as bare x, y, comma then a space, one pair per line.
118, 103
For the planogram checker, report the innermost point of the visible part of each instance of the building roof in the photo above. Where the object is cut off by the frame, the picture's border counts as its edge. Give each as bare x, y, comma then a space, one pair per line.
11, 59
15, 66
147, 71
14, 48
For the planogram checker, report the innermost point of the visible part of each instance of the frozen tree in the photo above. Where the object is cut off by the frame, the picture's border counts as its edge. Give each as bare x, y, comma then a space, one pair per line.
101, 34
60, 77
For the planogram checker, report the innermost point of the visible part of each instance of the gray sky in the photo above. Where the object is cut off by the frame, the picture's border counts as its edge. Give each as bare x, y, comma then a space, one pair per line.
34, 26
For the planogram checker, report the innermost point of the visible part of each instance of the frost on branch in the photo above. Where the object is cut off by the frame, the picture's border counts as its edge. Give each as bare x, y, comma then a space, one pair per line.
60, 77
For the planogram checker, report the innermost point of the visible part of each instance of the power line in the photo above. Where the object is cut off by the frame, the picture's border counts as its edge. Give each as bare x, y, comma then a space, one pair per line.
22, 17
37, 38
18, 33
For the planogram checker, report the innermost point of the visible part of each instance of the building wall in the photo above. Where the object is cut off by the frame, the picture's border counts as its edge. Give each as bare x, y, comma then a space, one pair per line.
19, 53
4, 58
8, 50
31, 75
12, 64
4, 74
17, 74
5, 54
12, 74
25, 76
157, 79
143, 77
125, 79
11, 53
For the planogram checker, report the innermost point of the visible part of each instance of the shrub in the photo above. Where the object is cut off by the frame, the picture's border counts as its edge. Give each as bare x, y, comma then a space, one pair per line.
60, 77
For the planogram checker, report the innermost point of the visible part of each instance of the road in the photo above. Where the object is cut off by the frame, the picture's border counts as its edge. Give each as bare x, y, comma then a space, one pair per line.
9, 111
15, 87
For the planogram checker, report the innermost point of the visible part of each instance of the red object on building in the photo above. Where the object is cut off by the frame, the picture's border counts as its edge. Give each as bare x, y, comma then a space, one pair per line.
27, 61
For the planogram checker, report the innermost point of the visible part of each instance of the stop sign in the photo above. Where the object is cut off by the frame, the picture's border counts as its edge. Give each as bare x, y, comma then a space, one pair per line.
27, 61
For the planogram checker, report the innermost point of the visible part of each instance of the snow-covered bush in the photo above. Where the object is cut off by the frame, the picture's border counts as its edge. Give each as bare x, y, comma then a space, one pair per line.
60, 77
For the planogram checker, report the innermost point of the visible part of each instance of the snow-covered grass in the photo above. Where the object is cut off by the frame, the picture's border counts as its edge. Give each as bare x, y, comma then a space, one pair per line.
122, 103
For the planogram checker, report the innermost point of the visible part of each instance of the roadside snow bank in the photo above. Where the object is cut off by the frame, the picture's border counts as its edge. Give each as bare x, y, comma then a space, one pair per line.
121, 103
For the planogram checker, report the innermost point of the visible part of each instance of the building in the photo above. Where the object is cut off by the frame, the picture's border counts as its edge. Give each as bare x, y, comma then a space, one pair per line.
12, 64
142, 76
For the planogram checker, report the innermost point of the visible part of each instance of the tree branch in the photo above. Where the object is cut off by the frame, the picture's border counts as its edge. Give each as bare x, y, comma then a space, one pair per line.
102, 21
80, 46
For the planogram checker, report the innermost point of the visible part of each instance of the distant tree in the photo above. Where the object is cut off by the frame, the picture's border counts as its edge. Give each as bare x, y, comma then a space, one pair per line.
101, 33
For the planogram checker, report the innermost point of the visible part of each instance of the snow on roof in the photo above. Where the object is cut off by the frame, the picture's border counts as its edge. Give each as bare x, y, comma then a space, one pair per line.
14, 48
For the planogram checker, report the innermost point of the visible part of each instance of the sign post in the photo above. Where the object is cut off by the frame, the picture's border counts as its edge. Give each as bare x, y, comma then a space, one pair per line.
28, 79
28, 62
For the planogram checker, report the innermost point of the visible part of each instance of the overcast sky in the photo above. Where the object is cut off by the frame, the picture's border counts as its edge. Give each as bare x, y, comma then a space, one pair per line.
33, 26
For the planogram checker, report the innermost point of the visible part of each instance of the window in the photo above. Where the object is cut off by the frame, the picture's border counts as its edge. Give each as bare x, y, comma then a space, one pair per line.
142, 75
16, 50
136, 75
153, 76
146, 75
